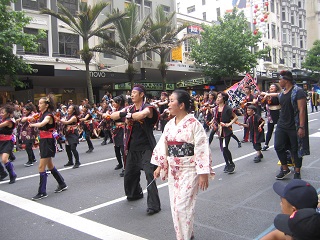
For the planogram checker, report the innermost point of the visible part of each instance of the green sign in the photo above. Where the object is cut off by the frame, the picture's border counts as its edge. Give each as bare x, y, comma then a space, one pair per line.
148, 86
193, 82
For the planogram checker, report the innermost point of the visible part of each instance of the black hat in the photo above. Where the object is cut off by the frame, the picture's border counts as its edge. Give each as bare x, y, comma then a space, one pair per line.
298, 193
303, 224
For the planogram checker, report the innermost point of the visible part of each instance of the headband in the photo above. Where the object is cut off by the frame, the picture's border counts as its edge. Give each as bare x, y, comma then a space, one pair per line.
138, 89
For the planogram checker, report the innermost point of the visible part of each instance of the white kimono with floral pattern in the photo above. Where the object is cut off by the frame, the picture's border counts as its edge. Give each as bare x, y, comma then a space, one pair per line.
182, 172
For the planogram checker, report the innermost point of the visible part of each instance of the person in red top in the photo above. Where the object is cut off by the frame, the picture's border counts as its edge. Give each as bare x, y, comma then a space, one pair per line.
46, 125
6, 144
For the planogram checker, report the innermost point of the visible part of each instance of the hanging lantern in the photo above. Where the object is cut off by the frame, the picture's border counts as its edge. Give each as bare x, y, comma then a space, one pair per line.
267, 4
262, 19
256, 6
255, 32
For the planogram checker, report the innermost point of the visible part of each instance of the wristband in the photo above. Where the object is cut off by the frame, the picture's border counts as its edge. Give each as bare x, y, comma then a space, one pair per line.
122, 114
301, 127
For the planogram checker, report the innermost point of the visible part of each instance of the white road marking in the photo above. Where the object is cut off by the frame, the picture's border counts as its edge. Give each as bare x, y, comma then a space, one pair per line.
159, 186
80, 224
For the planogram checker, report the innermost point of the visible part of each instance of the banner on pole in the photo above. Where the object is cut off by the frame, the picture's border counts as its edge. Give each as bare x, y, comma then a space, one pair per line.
236, 92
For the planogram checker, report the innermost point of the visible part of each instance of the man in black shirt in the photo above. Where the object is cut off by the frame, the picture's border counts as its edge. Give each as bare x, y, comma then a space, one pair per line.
139, 143
292, 127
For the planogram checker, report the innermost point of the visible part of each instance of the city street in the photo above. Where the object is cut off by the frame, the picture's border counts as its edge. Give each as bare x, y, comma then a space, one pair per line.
237, 206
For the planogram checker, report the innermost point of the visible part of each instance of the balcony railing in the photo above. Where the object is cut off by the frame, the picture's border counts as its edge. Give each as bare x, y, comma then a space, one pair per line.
267, 59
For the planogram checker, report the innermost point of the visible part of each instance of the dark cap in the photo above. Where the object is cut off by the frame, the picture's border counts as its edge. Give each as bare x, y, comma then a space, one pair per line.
298, 193
303, 224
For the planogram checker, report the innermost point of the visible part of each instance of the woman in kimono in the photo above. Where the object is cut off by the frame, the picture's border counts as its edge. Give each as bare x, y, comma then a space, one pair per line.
183, 156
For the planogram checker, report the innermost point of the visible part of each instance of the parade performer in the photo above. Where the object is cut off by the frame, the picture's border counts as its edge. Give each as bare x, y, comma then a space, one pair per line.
224, 117
71, 133
163, 105
118, 104
273, 111
7, 125
105, 124
46, 125
141, 117
28, 134
86, 122
255, 123
183, 156
246, 101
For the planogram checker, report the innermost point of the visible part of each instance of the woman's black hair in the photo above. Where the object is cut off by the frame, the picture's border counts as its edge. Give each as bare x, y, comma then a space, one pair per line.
9, 108
224, 95
30, 107
184, 97
75, 109
120, 100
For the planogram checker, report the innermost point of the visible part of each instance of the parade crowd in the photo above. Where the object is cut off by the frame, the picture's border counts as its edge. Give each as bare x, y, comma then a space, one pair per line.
182, 155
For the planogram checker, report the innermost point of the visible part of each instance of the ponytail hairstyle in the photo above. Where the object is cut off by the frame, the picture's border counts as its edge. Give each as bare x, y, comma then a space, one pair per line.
120, 100
9, 108
225, 96
76, 111
184, 97
50, 101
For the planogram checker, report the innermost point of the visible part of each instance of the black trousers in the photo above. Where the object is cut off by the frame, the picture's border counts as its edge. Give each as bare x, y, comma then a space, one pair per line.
29, 144
135, 162
283, 139
224, 147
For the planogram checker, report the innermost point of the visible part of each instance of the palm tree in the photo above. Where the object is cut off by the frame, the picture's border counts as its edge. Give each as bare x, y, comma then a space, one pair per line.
131, 40
83, 24
163, 37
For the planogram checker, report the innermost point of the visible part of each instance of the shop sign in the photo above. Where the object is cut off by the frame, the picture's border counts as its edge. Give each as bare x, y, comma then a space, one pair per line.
98, 74
193, 82
194, 29
148, 86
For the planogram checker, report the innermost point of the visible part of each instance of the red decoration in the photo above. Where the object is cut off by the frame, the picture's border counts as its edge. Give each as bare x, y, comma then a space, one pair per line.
262, 19
266, 16
255, 32
267, 4
256, 6
254, 22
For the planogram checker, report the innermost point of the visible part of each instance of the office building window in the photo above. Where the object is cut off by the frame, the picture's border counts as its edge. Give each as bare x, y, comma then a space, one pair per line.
218, 13
292, 18
274, 55
68, 45
147, 8
273, 31
301, 42
204, 16
187, 47
43, 43
166, 9
272, 6
293, 41
300, 21
203, 2
284, 36
284, 14
34, 4
191, 9
71, 5
107, 55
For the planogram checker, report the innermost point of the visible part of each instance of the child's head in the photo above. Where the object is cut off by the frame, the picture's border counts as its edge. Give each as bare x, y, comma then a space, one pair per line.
251, 110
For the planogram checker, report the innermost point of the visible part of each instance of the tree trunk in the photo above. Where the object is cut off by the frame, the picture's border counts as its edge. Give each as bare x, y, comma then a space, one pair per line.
89, 84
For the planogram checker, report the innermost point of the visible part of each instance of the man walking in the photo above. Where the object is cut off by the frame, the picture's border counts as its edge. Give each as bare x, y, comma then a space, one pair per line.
292, 128
139, 144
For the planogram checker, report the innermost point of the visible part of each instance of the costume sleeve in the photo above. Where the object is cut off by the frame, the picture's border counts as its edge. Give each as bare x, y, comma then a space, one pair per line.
159, 157
203, 157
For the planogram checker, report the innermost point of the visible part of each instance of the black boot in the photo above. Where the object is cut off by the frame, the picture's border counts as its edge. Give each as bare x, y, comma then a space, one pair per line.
69, 154
3, 173
42, 193
119, 157
12, 174
62, 185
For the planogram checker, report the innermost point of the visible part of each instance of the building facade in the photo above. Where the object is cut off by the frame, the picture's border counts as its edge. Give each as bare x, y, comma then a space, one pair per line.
312, 21
57, 67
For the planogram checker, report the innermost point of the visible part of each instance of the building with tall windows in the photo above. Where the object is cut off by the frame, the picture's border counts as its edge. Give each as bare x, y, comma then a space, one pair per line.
57, 67
312, 21
283, 30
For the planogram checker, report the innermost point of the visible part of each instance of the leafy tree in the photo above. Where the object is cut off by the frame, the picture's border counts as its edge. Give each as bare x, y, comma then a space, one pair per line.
130, 41
312, 61
163, 37
84, 24
225, 48
11, 33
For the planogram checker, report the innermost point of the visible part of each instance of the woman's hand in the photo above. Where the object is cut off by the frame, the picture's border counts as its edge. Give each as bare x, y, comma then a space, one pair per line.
203, 181
156, 172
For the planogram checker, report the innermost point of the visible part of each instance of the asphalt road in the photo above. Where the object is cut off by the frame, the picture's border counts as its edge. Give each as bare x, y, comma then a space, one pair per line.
238, 206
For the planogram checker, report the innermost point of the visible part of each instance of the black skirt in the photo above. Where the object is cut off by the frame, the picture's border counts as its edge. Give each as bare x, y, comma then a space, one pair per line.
6, 146
47, 147
73, 138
